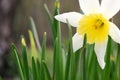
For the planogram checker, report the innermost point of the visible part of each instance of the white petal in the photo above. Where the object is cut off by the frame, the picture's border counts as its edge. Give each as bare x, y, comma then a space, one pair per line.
100, 49
89, 6
77, 41
114, 32
110, 7
72, 17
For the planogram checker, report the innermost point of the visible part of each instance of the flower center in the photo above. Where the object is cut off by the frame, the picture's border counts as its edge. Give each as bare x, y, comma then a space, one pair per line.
95, 26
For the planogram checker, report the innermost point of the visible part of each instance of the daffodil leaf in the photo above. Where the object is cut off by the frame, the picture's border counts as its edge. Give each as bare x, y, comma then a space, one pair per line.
34, 72
107, 59
46, 71
33, 27
25, 62
18, 60
44, 46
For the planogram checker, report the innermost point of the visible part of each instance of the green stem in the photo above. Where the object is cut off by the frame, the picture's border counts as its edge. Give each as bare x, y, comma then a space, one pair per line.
83, 57
83, 64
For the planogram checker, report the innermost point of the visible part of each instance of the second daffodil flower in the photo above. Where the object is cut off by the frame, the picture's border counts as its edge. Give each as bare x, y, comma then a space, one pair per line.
95, 23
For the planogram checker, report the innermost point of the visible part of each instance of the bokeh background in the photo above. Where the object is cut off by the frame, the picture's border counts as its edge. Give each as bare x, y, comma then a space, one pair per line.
35, 8
14, 22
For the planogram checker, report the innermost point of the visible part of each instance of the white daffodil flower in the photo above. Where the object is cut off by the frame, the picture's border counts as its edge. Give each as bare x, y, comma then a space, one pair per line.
95, 23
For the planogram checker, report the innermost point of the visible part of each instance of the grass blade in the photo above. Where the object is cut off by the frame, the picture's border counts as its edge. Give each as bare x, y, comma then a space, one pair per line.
43, 47
15, 52
34, 72
33, 45
25, 60
58, 50
38, 69
46, 71
69, 56
107, 67
52, 27
118, 63
33, 27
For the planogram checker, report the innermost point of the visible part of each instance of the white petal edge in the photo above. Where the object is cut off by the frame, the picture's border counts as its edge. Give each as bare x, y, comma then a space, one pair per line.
72, 17
77, 42
89, 6
100, 50
110, 7
114, 32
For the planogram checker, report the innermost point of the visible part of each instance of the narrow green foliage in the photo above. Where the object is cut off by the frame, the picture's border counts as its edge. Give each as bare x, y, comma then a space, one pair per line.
42, 73
83, 58
85, 41
25, 62
44, 46
45, 75
20, 69
33, 27
33, 45
58, 63
38, 69
67, 69
52, 27
46, 71
107, 67
58, 50
69, 56
34, 71
91, 63
54, 60
72, 58
92, 69
117, 67
56, 23
48, 13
